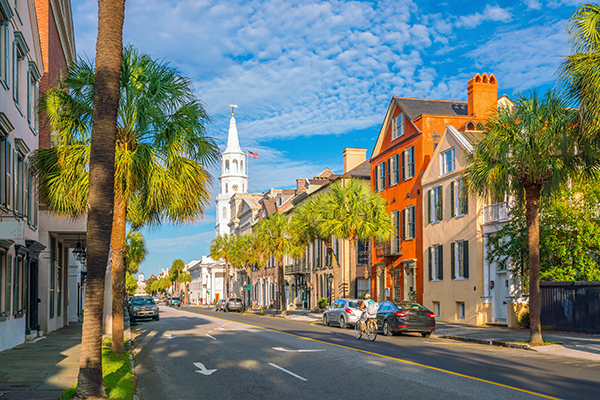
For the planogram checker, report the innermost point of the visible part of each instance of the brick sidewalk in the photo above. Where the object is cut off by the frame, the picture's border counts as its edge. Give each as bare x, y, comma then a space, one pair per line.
41, 370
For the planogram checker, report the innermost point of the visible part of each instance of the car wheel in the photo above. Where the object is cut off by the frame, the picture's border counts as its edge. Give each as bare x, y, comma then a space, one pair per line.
386, 328
325, 322
343, 322
425, 334
157, 318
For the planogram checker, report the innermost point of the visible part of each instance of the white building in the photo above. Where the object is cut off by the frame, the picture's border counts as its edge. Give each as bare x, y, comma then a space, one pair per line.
233, 179
208, 280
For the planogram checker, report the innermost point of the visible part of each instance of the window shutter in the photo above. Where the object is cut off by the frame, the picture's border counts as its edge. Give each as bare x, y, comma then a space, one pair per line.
8, 175
397, 170
441, 204
404, 223
429, 206
452, 213
466, 258
377, 178
429, 252
389, 172
452, 260
441, 262
412, 161
465, 199
404, 172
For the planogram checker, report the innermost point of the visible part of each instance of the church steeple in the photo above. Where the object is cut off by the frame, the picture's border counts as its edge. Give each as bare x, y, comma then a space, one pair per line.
233, 144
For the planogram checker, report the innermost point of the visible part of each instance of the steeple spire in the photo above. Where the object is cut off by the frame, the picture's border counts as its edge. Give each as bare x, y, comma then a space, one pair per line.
233, 144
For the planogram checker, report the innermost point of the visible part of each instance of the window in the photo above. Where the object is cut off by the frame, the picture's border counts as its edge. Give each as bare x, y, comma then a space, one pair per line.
16, 61
408, 222
459, 202
435, 211
226, 165
397, 233
18, 275
447, 158
59, 280
408, 163
224, 213
6, 173
393, 170
4, 52
436, 308
235, 166
436, 262
32, 95
398, 126
52, 274
7, 284
380, 176
460, 314
226, 188
459, 259
242, 166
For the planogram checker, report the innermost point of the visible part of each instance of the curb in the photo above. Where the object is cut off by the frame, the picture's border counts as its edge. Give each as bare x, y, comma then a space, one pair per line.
490, 342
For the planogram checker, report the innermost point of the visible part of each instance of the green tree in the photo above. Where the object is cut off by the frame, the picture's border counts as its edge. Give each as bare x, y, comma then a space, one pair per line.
185, 278
569, 236
220, 249
162, 154
150, 289
528, 152
355, 213
174, 273
580, 71
308, 223
130, 284
109, 45
247, 253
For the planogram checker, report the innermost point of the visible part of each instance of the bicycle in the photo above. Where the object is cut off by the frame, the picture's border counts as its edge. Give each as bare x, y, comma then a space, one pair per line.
370, 329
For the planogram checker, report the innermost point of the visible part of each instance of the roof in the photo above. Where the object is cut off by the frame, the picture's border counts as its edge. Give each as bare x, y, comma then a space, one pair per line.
417, 107
269, 205
361, 171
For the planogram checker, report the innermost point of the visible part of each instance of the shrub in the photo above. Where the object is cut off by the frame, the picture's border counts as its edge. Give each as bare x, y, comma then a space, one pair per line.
323, 302
524, 320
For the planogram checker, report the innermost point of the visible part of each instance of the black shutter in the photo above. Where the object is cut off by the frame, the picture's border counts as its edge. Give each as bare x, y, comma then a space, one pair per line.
397, 170
465, 199
429, 251
452, 213
441, 204
466, 258
384, 167
403, 165
389, 171
429, 206
403, 224
440, 262
452, 257
413, 223
377, 178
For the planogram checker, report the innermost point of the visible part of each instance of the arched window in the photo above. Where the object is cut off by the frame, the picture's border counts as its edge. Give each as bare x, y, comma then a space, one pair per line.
235, 166
242, 167
226, 165
226, 188
224, 213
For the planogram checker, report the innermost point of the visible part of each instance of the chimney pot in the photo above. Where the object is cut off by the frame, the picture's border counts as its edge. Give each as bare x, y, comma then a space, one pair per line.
483, 95
353, 158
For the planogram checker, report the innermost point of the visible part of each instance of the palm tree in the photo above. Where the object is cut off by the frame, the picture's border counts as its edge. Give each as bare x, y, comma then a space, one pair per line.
353, 212
274, 237
185, 278
162, 153
246, 253
307, 226
580, 71
220, 249
135, 251
175, 272
528, 152
109, 45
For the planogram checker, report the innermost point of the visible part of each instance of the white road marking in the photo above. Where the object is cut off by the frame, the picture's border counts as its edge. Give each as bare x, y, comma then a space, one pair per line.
212, 337
169, 336
203, 369
289, 372
296, 351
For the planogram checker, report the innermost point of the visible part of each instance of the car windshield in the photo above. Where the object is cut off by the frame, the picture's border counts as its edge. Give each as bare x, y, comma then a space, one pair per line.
145, 301
236, 300
354, 304
175, 298
410, 306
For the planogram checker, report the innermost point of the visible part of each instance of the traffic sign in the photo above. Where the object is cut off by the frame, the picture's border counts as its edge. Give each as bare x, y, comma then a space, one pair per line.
249, 287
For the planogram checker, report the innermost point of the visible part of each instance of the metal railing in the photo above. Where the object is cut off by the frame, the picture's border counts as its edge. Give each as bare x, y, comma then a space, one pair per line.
387, 249
498, 212
300, 267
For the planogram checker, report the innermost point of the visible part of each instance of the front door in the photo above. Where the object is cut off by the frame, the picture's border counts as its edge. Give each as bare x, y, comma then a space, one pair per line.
500, 296
32, 303
409, 278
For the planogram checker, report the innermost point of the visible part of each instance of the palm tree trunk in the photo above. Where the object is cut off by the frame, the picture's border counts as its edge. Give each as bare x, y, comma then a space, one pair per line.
118, 271
281, 285
352, 267
226, 279
334, 266
109, 47
532, 195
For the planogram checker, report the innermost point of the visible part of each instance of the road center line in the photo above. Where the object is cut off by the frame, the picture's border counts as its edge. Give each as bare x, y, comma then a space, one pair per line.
212, 337
289, 372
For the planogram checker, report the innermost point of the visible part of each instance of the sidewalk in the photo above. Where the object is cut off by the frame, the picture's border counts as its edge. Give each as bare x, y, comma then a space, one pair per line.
43, 369
577, 345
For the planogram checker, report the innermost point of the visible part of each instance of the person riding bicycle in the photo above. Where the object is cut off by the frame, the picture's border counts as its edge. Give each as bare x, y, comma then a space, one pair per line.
370, 310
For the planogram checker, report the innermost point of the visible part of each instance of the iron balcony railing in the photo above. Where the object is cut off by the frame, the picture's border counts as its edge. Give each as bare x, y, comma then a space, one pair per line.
387, 249
301, 267
498, 212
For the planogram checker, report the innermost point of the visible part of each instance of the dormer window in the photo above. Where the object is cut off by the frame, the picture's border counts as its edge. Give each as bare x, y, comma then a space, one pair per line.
398, 126
448, 161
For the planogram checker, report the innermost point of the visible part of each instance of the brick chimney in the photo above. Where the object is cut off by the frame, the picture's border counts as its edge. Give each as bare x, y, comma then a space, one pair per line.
353, 158
301, 185
483, 95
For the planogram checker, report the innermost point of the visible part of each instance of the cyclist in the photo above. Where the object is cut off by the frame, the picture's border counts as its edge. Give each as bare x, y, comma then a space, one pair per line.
370, 311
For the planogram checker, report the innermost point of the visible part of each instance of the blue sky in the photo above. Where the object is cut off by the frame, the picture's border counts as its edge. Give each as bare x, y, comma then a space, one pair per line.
312, 77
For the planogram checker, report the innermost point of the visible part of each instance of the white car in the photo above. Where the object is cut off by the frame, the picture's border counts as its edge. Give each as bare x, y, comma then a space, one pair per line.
344, 312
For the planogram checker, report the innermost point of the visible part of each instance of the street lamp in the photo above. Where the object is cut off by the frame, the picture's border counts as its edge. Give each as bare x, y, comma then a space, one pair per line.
79, 252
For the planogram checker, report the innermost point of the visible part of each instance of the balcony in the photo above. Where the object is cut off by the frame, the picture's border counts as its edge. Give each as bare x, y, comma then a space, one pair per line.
388, 249
301, 267
496, 213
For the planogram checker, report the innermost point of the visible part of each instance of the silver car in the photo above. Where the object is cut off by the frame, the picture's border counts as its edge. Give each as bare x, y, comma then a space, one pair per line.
343, 312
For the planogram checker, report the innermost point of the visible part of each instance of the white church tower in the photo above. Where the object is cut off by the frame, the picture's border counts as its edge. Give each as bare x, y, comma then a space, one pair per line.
234, 177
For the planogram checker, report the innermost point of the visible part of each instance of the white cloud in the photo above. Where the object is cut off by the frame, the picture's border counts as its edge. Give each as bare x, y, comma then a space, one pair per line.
490, 13
533, 4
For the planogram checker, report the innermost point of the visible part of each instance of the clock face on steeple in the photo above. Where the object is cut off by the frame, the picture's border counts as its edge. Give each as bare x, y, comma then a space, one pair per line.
235, 188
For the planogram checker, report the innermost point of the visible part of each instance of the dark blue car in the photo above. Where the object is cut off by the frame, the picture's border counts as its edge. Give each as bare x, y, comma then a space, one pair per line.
405, 316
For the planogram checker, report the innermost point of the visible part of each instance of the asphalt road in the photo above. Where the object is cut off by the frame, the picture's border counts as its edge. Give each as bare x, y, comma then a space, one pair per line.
194, 353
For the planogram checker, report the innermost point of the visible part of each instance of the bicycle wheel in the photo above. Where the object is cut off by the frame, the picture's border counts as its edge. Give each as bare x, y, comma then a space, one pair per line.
372, 331
357, 333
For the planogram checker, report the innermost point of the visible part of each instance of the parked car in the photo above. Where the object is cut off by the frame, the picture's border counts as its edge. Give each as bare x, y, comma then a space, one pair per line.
175, 301
233, 304
405, 316
220, 305
343, 312
143, 307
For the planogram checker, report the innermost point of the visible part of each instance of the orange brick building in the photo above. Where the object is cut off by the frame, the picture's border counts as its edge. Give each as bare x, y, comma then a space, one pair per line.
406, 141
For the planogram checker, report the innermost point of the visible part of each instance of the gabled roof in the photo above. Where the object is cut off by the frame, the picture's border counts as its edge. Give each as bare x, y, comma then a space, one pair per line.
362, 170
465, 144
417, 107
